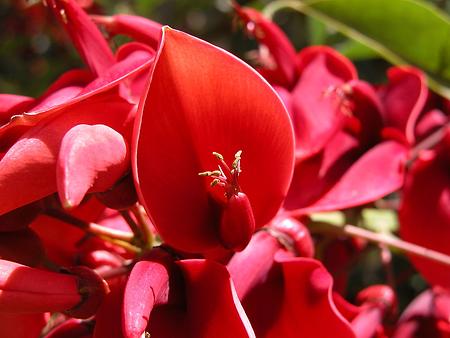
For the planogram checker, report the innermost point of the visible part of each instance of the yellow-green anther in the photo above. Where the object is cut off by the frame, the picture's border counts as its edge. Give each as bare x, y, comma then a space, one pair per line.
215, 182
218, 156
205, 173
237, 157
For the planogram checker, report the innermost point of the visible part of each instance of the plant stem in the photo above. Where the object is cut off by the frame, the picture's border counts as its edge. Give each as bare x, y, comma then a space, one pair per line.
92, 228
388, 240
132, 224
144, 225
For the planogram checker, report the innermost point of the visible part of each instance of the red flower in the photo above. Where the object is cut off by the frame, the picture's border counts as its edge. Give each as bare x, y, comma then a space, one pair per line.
203, 100
31, 141
187, 298
284, 295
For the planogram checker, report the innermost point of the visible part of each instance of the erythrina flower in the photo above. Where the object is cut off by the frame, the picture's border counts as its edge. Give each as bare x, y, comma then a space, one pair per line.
196, 294
362, 162
32, 141
284, 295
337, 121
302, 81
203, 101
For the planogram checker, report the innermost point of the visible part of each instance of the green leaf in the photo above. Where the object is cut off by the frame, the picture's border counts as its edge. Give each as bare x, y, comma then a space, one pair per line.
402, 31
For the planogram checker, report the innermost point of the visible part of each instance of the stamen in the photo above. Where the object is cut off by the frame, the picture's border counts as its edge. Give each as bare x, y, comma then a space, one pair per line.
224, 176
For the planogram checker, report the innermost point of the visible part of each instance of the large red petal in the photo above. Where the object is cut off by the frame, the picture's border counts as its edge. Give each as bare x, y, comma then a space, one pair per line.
202, 99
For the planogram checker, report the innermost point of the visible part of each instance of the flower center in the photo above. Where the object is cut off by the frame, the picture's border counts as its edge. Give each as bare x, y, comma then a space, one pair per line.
225, 176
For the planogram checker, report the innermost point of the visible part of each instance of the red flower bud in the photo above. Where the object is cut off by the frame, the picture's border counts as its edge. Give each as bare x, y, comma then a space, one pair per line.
237, 222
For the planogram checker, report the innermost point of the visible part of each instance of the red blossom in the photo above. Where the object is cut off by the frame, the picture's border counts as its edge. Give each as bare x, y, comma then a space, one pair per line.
202, 100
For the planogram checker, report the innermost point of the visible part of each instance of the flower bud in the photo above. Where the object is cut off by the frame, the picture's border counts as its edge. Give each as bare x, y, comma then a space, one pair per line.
237, 222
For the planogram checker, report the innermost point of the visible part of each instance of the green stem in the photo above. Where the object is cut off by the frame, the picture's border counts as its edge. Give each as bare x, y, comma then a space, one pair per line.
144, 225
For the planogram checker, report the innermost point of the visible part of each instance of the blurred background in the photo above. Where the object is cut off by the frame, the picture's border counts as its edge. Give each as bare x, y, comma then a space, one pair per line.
34, 51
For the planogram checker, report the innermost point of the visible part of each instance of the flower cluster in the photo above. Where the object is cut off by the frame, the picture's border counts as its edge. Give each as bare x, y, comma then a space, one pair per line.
169, 190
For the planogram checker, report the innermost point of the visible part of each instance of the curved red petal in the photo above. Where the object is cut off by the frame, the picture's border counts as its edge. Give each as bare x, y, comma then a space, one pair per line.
200, 100
379, 172
278, 44
314, 176
147, 285
91, 158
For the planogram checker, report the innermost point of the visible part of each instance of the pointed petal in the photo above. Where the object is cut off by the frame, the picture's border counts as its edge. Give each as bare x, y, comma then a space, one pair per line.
91, 158
88, 40
404, 98
316, 112
316, 175
137, 27
147, 284
217, 103
270, 35
378, 172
